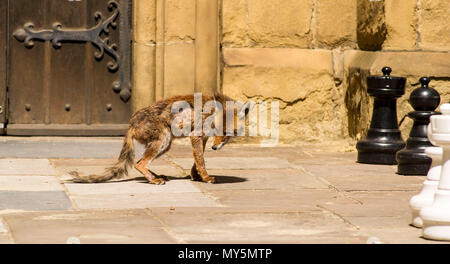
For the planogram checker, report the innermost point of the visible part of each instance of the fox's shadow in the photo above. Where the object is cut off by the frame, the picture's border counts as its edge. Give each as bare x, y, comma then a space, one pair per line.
220, 179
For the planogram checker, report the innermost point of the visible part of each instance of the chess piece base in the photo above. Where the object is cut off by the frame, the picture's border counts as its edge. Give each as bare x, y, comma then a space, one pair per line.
413, 169
371, 152
423, 199
436, 218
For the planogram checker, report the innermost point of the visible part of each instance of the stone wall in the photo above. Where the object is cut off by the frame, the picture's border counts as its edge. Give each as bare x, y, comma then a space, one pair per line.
311, 55
314, 55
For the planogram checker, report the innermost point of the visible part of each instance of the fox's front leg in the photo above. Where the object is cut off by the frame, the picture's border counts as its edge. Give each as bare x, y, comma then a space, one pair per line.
195, 176
197, 149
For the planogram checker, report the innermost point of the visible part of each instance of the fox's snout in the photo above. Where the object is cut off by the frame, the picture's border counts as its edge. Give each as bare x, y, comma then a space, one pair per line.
219, 142
217, 147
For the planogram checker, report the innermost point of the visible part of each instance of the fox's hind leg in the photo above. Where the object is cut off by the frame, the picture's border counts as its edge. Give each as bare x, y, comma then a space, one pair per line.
197, 150
153, 151
141, 166
195, 176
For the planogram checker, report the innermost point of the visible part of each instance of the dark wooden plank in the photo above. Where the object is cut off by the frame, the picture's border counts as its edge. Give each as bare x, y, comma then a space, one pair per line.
48, 79
67, 74
26, 74
103, 79
3, 60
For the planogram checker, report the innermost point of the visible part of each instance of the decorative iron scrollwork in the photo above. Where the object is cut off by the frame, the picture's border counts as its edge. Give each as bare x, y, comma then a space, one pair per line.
57, 35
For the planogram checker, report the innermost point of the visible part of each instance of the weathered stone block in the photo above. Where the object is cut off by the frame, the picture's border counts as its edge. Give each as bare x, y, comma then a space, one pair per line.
179, 20
266, 71
234, 23
401, 22
279, 23
144, 21
143, 76
434, 26
179, 69
336, 23
371, 31
301, 80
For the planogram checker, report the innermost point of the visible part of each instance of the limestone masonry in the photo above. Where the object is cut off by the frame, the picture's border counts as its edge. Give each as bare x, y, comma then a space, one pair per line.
311, 55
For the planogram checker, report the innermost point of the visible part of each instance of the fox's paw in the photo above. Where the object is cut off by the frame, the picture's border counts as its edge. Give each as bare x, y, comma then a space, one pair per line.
209, 179
157, 181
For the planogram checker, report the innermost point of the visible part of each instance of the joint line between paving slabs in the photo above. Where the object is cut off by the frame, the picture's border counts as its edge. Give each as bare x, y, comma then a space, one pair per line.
66, 191
338, 215
184, 173
173, 163
330, 186
72, 201
165, 227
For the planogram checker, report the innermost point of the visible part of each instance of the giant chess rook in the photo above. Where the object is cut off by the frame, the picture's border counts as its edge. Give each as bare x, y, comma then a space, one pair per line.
383, 139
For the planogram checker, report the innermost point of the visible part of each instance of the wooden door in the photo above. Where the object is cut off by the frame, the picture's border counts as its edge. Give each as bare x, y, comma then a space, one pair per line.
69, 67
3, 73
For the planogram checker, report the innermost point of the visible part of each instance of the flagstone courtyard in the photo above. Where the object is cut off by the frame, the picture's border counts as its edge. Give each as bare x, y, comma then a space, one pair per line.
313, 193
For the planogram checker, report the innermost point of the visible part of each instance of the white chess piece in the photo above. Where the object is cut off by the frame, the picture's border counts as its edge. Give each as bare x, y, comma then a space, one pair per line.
436, 218
430, 185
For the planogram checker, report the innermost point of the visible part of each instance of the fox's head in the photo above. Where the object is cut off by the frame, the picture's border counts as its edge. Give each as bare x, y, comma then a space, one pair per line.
220, 141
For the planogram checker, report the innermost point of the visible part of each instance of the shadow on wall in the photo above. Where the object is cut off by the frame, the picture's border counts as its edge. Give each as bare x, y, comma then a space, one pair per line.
372, 30
371, 34
357, 102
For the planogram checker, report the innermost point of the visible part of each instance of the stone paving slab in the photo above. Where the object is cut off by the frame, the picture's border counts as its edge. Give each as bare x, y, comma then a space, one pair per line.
60, 147
363, 177
288, 198
261, 179
352, 169
298, 227
302, 194
26, 183
25, 167
132, 187
34, 201
143, 200
384, 203
235, 150
400, 235
322, 158
128, 226
236, 163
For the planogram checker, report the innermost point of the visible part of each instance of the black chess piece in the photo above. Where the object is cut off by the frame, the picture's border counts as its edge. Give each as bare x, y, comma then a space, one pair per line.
412, 160
383, 139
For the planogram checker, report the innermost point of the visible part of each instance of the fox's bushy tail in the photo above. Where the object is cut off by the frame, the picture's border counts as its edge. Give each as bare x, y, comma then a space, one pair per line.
119, 170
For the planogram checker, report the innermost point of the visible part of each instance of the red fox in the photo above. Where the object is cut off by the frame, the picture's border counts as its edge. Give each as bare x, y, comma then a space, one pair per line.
151, 126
